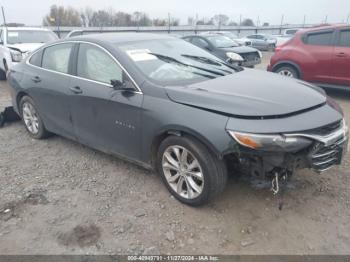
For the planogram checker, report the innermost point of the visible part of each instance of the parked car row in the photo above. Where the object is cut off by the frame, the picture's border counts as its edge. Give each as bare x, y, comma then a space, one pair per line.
184, 108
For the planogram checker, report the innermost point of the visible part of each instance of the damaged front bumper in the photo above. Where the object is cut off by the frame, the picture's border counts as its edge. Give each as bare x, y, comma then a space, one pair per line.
328, 146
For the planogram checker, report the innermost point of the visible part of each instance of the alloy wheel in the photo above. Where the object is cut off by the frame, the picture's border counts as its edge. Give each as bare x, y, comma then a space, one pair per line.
30, 118
286, 73
182, 172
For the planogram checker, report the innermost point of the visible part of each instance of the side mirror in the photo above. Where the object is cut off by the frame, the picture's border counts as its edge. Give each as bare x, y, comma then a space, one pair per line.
117, 84
123, 86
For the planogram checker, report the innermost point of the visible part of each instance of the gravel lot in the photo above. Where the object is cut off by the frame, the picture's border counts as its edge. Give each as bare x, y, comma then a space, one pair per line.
59, 197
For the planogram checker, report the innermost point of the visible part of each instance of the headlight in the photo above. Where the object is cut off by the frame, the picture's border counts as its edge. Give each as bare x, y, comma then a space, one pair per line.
234, 56
260, 54
16, 55
270, 142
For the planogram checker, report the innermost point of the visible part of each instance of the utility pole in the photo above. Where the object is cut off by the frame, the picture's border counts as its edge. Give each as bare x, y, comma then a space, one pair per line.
169, 23
304, 20
347, 19
326, 19
282, 20
196, 24
3, 15
240, 23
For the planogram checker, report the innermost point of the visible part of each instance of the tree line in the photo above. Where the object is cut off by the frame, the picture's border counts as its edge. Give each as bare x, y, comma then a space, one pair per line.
87, 17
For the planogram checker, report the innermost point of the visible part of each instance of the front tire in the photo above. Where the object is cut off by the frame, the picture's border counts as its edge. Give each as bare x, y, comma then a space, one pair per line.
31, 118
192, 174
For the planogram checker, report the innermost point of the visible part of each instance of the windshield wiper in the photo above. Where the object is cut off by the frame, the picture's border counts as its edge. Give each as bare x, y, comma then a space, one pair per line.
212, 61
169, 59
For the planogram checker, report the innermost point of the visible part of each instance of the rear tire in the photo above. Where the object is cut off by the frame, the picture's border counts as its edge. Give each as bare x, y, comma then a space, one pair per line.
2, 75
287, 71
31, 118
192, 174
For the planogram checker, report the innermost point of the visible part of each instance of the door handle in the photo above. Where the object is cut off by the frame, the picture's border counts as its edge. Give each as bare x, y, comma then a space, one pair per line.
36, 79
341, 54
76, 90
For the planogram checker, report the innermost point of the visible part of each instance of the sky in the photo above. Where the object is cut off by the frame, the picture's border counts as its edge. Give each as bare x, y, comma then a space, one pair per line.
31, 12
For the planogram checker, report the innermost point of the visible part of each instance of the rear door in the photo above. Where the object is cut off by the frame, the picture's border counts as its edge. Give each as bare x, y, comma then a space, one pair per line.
47, 80
103, 117
319, 47
341, 58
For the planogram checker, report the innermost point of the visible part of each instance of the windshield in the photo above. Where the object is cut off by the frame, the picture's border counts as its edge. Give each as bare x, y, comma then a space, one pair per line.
29, 36
221, 41
174, 61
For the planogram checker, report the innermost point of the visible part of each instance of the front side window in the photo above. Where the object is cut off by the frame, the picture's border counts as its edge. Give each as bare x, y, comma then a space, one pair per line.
95, 64
56, 57
344, 38
321, 38
30, 36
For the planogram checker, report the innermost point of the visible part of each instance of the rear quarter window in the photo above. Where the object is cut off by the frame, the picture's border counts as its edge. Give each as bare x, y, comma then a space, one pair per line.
319, 38
36, 59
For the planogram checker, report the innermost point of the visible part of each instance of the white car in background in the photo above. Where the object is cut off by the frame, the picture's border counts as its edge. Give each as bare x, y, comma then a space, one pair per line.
17, 42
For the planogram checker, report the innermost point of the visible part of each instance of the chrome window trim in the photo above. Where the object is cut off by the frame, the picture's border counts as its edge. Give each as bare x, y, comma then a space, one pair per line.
137, 91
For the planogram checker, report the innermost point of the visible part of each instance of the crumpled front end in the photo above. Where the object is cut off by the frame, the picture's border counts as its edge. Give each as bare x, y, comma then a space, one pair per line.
266, 156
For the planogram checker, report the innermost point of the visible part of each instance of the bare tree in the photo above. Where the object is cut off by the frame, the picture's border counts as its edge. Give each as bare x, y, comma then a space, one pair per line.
247, 22
59, 15
220, 19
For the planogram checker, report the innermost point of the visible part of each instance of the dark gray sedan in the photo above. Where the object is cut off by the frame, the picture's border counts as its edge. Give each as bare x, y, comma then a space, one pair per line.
168, 105
226, 49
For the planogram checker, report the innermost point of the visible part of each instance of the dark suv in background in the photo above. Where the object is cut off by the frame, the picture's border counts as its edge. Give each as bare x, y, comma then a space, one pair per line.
319, 55
226, 49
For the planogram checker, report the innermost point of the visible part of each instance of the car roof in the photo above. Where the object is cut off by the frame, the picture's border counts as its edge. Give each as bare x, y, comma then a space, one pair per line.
115, 38
323, 27
27, 28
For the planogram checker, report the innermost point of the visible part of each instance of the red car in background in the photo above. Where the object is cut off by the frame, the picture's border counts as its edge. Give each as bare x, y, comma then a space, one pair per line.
320, 55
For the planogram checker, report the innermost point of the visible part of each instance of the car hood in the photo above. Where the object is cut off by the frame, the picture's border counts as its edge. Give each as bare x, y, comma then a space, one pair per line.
240, 49
25, 47
250, 93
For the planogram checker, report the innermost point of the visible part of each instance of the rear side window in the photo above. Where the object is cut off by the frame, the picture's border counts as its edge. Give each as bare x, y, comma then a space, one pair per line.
36, 59
344, 38
56, 57
321, 38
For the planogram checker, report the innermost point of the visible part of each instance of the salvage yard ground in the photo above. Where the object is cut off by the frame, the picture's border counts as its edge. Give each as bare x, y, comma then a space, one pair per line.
59, 197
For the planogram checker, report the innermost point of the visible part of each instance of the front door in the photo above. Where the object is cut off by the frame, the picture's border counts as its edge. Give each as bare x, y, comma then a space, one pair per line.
104, 117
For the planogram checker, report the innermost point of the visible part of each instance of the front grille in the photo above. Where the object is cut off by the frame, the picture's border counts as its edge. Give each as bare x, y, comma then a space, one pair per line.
248, 57
323, 157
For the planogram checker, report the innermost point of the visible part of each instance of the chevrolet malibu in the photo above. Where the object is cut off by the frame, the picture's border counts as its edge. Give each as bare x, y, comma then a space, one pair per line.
168, 105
